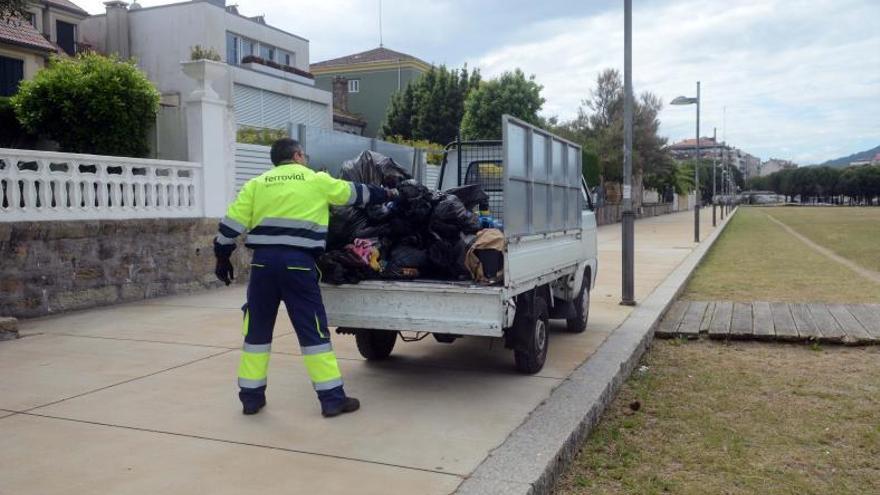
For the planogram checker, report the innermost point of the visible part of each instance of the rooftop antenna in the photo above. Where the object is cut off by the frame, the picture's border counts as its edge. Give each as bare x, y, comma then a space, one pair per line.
381, 45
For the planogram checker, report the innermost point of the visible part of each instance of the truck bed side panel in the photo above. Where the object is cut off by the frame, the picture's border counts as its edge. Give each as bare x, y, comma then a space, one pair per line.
414, 306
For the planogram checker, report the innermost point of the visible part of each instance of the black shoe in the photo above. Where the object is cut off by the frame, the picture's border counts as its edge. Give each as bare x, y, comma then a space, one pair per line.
350, 405
252, 407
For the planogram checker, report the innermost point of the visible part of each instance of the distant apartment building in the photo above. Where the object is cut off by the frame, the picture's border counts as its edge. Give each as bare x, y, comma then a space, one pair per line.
752, 166
687, 149
775, 165
49, 27
370, 79
748, 164
268, 86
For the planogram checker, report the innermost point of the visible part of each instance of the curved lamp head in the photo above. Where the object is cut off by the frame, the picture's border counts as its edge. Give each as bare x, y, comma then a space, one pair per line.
683, 100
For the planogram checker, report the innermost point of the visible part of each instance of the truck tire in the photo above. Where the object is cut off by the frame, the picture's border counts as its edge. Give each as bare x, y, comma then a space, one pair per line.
375, 345
533, 331
578, 323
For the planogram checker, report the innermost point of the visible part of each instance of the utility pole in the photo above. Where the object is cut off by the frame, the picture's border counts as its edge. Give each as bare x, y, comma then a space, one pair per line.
714, 166
697, 174
723, 187
628, 220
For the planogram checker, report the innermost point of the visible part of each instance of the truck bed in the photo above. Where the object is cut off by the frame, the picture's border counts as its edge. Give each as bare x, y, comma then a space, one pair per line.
439, 306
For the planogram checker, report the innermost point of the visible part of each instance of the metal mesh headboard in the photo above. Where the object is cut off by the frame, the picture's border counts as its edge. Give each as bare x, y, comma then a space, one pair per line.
481, 164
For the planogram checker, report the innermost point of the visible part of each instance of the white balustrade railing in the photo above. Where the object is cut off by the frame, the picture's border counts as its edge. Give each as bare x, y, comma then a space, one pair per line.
41, 185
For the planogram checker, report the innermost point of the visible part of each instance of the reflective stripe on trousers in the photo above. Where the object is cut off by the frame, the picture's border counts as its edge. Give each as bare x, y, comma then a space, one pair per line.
320, 361
253, 368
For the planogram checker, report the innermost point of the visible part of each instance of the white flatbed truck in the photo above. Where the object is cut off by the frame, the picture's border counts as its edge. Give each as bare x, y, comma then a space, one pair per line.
536, 188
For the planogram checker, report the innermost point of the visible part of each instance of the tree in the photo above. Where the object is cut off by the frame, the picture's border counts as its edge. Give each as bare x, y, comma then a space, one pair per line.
512, 93
12, 9
431, 107
599, 125
90, 104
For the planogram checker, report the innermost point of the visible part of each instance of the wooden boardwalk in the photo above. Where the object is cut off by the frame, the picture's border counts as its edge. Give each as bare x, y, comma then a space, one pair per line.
853, 324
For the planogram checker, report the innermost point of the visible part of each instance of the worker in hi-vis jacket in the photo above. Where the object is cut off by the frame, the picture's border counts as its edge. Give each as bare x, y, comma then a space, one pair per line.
285, 214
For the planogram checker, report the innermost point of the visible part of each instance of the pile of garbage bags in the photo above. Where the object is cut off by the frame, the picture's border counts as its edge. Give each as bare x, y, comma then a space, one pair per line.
422, 234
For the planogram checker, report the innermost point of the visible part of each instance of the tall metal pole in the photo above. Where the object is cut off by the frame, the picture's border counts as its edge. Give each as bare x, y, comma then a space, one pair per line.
723, 187
628, 220
714, 165
697, 174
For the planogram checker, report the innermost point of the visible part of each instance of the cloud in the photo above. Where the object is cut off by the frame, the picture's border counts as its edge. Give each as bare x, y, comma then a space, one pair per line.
800, 78
795, 77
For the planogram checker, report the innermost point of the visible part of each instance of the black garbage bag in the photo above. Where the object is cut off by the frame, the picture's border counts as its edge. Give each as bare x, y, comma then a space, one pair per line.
378, 213
374, 168
447, 258
405, 262
348, 223
411, 190
450, 218
343, 267
472, 195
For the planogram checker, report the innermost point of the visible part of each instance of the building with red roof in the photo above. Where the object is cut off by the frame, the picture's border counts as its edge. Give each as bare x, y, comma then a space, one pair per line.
48, 27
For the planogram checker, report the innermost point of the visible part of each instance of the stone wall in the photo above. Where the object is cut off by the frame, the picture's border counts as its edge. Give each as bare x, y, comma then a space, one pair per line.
50, 267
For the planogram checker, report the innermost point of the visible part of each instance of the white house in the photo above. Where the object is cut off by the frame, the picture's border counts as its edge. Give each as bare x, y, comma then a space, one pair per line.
267, 84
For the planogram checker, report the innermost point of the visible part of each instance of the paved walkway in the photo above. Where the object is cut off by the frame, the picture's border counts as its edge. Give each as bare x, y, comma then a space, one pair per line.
857, 324
140, 398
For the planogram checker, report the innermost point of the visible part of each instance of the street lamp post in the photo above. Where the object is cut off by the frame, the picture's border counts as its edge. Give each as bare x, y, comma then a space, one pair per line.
714, 166
628, 220
684, 100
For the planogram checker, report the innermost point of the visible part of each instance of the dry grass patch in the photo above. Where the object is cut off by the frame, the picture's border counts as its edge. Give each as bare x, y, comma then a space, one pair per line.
756, 260
740, 418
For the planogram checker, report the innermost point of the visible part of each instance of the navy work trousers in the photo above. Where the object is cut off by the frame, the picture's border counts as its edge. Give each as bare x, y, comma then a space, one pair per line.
287, 274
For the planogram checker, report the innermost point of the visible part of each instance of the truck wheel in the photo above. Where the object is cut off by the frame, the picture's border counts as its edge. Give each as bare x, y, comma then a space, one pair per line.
375, 345
533, 331
578, 323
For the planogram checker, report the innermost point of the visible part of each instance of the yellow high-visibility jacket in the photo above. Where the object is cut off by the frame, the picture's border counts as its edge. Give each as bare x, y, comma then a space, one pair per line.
290, 206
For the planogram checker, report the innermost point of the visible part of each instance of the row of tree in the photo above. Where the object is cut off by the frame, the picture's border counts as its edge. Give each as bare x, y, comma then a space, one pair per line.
853, 185
443, 102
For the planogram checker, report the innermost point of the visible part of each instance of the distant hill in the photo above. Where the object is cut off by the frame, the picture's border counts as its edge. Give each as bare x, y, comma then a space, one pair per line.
862, 155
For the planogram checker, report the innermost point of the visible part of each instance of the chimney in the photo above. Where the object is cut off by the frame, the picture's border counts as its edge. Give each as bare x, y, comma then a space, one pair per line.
340, 94
116, 37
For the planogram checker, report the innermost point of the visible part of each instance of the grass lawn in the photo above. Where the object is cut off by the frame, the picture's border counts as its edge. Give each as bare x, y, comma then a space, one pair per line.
756, 260
853, 233
741, 418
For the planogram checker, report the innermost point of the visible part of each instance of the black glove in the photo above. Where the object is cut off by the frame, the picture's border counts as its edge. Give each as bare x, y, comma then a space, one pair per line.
223, 270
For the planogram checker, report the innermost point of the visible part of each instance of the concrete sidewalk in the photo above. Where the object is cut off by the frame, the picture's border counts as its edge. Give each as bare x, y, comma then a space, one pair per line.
140, 398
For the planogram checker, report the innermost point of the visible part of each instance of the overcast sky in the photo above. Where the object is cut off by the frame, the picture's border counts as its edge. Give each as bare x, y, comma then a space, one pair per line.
800, 78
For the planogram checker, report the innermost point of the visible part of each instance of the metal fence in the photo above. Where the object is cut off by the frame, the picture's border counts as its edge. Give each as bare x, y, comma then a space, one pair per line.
327, 150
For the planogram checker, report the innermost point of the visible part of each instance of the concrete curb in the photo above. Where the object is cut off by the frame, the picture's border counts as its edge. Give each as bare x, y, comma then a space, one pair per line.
535, 454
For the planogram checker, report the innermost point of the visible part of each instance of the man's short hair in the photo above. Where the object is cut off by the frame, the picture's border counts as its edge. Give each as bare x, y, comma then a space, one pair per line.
283, 150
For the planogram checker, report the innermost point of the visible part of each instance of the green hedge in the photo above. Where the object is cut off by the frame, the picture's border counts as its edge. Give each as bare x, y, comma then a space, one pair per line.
90, 104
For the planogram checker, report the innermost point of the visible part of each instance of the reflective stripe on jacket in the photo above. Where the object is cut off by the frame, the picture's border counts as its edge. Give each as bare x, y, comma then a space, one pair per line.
289, 206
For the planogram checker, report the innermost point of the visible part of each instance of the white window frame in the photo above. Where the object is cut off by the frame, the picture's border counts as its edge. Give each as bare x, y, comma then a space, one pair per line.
354, 85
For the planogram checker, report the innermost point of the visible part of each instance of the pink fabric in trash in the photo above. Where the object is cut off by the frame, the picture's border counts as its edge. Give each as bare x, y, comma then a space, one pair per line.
362, 248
